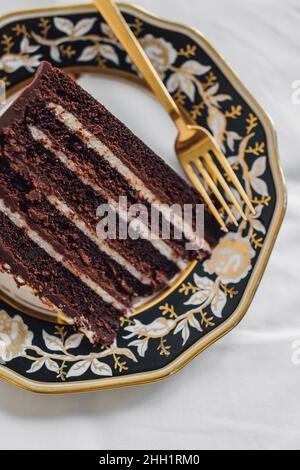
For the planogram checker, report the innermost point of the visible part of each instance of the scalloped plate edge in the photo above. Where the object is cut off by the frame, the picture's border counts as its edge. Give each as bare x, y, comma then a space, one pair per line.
257, 273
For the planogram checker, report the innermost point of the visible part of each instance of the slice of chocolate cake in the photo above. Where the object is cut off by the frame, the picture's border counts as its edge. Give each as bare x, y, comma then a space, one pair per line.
64, 156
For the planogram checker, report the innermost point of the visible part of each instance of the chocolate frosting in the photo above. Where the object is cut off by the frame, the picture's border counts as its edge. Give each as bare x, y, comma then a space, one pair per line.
17, 109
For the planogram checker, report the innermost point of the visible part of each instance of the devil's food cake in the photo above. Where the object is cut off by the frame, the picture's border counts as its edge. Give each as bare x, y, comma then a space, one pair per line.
63, 155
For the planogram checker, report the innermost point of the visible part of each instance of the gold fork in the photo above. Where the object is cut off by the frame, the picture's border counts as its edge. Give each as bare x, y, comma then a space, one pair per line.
196, 148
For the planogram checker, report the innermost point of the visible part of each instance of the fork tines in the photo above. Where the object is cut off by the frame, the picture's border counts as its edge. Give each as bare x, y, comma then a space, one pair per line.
206, 168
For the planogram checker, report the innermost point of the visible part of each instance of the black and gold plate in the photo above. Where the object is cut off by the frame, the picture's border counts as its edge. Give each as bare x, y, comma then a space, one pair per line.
208, 300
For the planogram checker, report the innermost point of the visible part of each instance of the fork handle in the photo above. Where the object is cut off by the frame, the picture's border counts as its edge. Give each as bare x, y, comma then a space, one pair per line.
113, 17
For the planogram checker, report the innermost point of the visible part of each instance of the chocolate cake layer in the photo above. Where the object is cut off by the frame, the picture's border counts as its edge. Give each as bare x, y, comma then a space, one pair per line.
55, 284
157, 176
50, 176
22, 197
53, 86
111, 183
62, 157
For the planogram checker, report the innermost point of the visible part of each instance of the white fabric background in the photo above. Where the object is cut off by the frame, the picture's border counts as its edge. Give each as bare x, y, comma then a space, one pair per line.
243, 393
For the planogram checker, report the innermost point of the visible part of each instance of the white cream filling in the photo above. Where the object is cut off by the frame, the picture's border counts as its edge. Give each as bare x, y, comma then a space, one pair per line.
72, 123
20, 222
136, 224
64, 209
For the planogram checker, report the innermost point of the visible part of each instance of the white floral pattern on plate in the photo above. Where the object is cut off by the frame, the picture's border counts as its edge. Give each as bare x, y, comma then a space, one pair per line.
10, 63
230, 262
17, 341
202, 302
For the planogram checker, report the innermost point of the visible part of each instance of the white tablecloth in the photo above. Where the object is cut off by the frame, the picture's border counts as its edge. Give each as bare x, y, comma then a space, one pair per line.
243, 392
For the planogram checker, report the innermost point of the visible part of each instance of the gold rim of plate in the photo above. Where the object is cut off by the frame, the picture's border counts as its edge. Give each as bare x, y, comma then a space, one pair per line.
279, 212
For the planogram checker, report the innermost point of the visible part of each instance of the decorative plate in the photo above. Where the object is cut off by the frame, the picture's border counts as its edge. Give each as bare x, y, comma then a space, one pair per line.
208, 300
